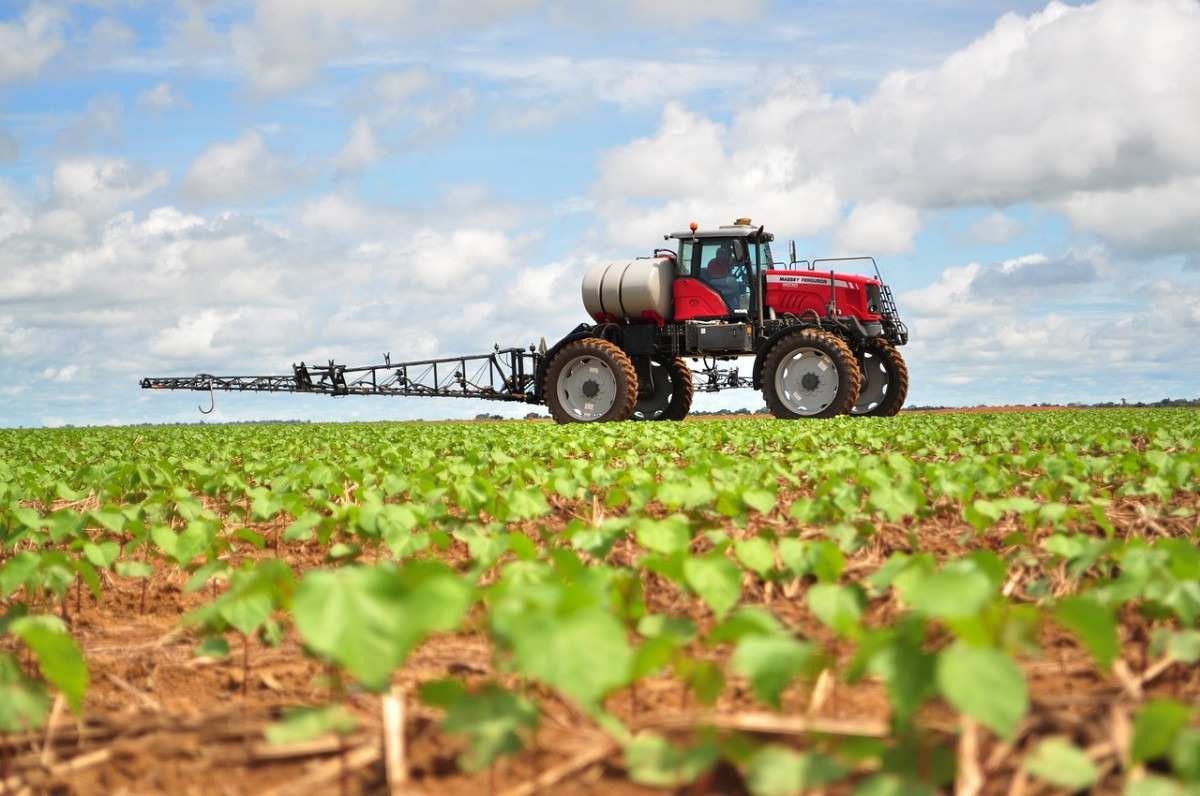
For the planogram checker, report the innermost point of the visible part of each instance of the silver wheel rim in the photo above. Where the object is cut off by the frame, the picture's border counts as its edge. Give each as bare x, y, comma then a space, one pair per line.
587, 387
656, 404
874, 384
806, 381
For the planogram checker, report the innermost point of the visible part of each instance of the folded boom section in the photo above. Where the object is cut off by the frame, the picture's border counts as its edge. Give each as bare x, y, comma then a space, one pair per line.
507, 374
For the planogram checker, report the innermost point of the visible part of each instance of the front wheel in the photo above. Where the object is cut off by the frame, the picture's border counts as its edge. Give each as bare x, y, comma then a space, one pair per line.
590, 381
810, 373
885, 381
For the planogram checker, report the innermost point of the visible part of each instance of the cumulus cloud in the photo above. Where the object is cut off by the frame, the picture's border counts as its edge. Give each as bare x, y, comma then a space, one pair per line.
1014, 331
161, 97
1148, 220
879, 227
287, 42
690, 170
97, 186
1032, 275
99, 123
361, 148
1086, 108
28, 43
994, 229
245, 169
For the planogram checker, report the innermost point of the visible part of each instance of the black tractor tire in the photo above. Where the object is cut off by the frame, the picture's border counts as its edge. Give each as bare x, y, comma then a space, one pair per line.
897, 375
679, 379
834, 351
610, 356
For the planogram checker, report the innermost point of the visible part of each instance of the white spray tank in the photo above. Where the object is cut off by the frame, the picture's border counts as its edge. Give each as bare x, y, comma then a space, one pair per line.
633, 290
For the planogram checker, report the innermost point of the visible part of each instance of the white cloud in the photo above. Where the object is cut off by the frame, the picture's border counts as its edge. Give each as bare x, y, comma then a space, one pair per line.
683, 13
1065, 106
994, 229
393, 87
61, 375
1015, 332
101, 185
161, 97
361, 148
191, 337
287, 42
1148, 219
693, 167
28, 43
245, 169
14, 219
99, 123
879, 227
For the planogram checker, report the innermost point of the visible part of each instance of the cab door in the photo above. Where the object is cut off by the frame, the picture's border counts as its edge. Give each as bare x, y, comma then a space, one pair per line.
696, 297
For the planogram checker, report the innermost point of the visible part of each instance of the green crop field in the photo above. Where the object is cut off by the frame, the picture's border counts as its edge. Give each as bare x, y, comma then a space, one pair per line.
1006, 601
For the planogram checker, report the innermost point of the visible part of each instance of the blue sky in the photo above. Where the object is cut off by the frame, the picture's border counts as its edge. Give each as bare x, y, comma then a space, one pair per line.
232, 186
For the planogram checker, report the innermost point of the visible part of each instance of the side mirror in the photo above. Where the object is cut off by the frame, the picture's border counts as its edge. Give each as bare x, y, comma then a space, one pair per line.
792, 253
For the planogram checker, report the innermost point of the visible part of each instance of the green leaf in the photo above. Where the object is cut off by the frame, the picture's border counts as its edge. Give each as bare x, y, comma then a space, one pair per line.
302, 528
110, 518
755, 554
778, 771
1155, 727
304, 724
1185, 754
1184, 646
985, 684
102, 554
58, 656
526, 504
689, 494
367, 619
215, 647
982, 514
770, 663
909, 673
584, 654
651, 760
761, 500
668, 536
246, 612
491, 719
839, 607
134, 569
24, 703
894, 503
948, 593
1057, 761
165, 539
716, 579
1093, 624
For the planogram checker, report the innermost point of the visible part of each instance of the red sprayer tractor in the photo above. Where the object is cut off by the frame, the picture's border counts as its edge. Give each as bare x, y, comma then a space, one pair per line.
824, 343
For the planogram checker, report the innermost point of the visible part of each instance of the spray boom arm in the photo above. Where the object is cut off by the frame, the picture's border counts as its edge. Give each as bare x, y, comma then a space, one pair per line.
507, 374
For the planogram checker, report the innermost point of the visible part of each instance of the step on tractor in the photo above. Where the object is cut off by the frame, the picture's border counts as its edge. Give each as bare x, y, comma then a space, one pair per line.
823, 343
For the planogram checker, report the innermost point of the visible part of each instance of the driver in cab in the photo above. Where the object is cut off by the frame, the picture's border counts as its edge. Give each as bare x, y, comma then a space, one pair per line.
722, 275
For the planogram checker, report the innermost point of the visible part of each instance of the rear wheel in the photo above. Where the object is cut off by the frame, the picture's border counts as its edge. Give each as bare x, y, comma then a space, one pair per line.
670, 397
885, 381
590, 381
810, 373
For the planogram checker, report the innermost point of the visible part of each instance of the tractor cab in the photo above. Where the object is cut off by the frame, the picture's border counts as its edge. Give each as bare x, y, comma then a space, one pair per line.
717, 271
